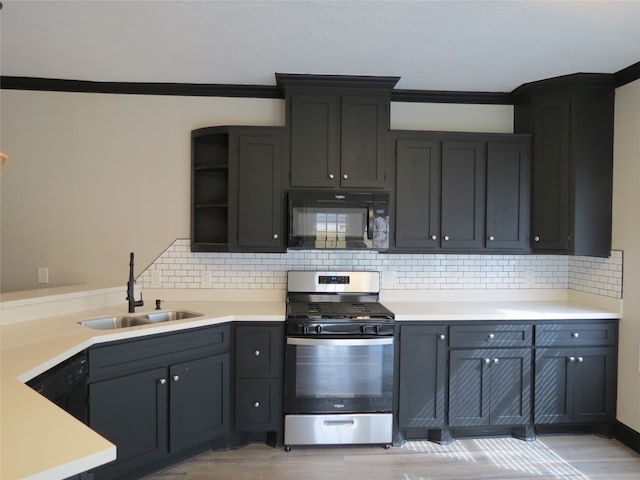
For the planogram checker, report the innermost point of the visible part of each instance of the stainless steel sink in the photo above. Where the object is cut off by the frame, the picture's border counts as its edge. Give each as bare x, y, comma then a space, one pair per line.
169, 316
110, 323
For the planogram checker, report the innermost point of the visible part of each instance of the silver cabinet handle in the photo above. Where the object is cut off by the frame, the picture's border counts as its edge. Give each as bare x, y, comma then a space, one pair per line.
275, 235
434, 237
256, 352
176, 378
572, 359
163, 381
492, 336
446, 237
536, 238
442, 337
487, 361
491, 238
580, 359
331, 175
496, 360
345, 176
256, 404
575, 334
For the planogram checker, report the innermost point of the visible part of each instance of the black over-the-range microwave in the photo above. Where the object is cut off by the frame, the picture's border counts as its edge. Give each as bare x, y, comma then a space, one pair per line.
338, 220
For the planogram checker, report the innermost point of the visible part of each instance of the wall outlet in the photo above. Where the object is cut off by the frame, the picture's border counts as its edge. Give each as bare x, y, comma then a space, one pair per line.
43, 275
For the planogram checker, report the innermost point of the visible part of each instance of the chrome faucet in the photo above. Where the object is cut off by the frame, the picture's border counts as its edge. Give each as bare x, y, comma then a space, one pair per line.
133, 303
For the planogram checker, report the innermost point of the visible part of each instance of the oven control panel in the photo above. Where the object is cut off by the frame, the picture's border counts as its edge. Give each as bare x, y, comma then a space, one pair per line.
354, 329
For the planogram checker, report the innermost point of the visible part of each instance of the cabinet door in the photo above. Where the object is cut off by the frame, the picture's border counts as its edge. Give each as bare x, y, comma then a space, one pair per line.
595, 384
260, 194
257, 407
364, 128
418, 193
550, 203
131, 412
314, 141
259, 351
508, 177
510, 372
463, 195
469, 388
422, 376
553, 397
199, 401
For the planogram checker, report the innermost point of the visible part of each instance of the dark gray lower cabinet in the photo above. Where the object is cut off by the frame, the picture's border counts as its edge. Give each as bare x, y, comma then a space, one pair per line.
491, 377
423, 357
490, 387
259, 370
159, 397
575, 385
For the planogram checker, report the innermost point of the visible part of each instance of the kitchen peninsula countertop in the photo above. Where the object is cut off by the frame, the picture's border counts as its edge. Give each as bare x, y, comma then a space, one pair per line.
40, 440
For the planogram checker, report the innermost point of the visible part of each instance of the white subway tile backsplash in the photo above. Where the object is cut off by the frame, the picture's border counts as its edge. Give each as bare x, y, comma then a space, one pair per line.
178, 267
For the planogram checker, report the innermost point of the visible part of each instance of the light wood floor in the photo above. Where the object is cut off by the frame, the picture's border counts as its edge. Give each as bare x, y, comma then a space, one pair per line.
569, 457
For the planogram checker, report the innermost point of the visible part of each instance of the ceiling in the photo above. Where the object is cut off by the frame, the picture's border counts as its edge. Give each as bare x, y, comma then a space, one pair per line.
489, 46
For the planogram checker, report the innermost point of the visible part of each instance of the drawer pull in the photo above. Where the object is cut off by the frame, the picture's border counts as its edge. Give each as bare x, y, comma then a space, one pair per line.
176, 378
580, 359
572, 359
487, 361
491, 336
163, 381
496, 360
339, 423
256, 353
256, 404
575, 334
442, 337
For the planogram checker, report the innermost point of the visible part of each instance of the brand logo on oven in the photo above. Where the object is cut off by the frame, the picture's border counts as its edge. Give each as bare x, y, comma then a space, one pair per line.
340, 197
338, 405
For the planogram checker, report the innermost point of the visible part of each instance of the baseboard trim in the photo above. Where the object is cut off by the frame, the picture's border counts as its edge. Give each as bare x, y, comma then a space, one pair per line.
627, 435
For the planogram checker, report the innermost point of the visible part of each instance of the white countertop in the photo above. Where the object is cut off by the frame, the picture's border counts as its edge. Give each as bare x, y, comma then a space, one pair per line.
64, 446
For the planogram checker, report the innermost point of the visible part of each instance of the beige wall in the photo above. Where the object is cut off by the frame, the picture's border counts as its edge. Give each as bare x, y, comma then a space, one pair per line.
94, 176
626, 237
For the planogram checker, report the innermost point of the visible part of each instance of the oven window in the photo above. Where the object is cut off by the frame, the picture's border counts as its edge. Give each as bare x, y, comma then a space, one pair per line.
332, 371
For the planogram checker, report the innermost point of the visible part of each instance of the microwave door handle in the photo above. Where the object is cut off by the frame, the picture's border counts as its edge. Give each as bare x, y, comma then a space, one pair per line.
371, 222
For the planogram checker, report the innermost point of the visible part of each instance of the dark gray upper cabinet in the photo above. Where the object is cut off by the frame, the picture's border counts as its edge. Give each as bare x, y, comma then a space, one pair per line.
461, 192
338, 127
508, 195
237, 189
463, 195
257, 169
571, 119
417, 219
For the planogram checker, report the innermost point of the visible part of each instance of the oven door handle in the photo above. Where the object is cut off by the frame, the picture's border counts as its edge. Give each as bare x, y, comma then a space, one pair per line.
346, 342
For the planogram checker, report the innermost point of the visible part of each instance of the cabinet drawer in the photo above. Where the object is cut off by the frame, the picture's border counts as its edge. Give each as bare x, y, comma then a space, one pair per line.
597, 333
258, 351
257, 405
119, 358
488, 336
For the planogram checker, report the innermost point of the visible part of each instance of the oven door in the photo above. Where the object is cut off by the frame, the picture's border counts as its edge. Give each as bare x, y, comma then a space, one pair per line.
334, 375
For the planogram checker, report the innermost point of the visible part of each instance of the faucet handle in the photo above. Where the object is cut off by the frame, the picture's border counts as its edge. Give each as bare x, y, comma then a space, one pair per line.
158, 303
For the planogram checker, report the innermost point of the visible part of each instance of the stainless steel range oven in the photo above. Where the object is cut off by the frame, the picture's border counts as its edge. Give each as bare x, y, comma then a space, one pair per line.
339, 360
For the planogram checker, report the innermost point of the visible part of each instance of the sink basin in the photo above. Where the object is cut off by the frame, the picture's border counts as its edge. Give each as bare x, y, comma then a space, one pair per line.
169, 316
110, 323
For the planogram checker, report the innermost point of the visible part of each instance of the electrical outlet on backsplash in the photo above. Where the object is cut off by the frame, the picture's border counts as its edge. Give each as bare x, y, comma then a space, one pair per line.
178, 267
